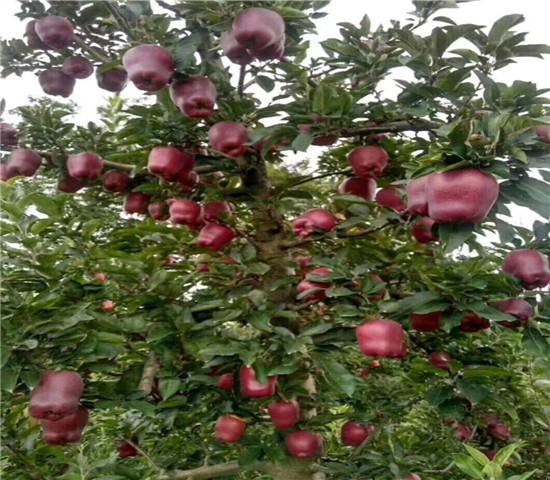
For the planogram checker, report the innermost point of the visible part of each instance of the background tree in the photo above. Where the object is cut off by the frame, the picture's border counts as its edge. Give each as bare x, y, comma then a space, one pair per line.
162, 328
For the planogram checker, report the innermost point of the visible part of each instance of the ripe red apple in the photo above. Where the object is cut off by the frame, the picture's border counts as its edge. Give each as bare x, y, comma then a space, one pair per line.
391, 198
354, 434
170, 163
529, 266
234, 50
189, 182
258, 28
136, 202
54, 82
114, 80
230, 429
381, 338
229, 138
211, 211
85, 166
473, 323
108, 306
499, 432
517, 307
56, 396
23, 163
8, 135
375, 364
159, 211
149, 67
426, 322
100, 277
226, 381
364, 373
56, 32
306, 285
185, 212
116, 182
491, 419
439, 360
316, 218
215, 236
543, 132
126, 450
461, 196
417, 201
274, 51
195, 96
423, 230
77, 67
410, 476
33, 40
463, 431
360, 187
490, 454
368, 161
252, 388
67, 429
284, 415
68, 184
303, 444
203, 268
304, 262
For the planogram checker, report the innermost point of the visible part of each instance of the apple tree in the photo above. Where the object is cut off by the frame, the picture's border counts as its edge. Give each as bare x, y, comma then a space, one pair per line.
263, 264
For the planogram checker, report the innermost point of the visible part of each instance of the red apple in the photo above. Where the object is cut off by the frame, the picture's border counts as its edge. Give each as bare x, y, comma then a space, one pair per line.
529, 266
211, 211
417, 202
473, 323
303, 444
226, 381
126, 450
170, 163
391, 198
324, 140
499, 432
439, 360
284, 415
426, 322
360, 187
203, 268
543, 132
304, 262
423, 230
364, 373
215, 236
189, 182
56, 32
368, 161
108, 306
54, 82
77, 67
149, 67
116, 182
491, 419
381, 338
8, 135
185, 212
316, 218
68, 184
85, 166
114, 80
273, 52
195, 96
463, 431
380, 294
354, 434
33, 40
56, 396
100, 277
234, 50
375, 364
159, 211
252, 388
517, 307
461, 196
230, 429
67, 429
229, 138
306, 285
258, 28
136, 202
490, 454
23, 163
410, 476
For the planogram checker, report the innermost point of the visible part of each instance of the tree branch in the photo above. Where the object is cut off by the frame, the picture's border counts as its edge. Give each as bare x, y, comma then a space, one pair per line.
143, 453
242, 75
92, 51
210, 471
119, 166
149, 371
417, 125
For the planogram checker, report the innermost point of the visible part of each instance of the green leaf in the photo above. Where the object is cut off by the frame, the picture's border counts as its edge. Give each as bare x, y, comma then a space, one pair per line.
479, 457
302, 142
437, 395
8, 378
266, 83
322, 99
336, 375
454, 235
535, 343
505, 453
468, 465
473, 390
249, 456
501, 28
523, 476
169, 387
486, 371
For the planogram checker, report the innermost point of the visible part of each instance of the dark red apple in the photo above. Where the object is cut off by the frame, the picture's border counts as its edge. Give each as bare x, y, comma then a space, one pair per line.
170, 163
391, 198
136, 202
304, 262
463, 431
284, 415
517, 307
491, 419
439, 360
159, 211
234, 50
368, 161
258, 28
360, 187
108, 306
203, 268
126, 450
529, 266
195, 96
77, 67
499, 432
230, 429
33, 40
68, 184
229, 138
274, 51
23, 163
426, 322
417, 201
56, 396
56, 32
316, 218
100, 277
354, 434
85, 166
381, 338
226, 381
473, 323
213, 211
364, 373
252, 388
67, 429
306, 285
185, 212
423, 230
116, 182
149, 67
215, 236
410, 476
54, 82
114, 80
461, 196
303, 444
8, 135
490, 454
189, 182
543, 132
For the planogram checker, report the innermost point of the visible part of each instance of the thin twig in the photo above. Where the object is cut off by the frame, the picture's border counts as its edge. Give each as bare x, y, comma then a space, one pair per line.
317, 177
142, 452
92, 51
